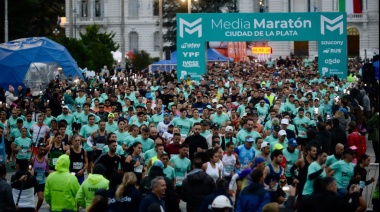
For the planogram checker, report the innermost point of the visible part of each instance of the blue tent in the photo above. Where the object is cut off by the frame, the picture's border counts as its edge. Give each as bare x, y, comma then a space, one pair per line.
376, 65
213, 55
18, 56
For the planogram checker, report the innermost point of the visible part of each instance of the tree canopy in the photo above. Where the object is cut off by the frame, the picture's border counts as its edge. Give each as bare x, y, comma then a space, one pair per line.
172, 7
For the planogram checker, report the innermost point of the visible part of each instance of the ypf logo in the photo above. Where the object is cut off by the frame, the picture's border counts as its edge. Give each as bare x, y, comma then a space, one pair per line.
332, 25
191, 27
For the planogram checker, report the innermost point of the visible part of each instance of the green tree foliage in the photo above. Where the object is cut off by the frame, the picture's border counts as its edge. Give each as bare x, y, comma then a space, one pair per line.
172, 7
76, 49
31, 18
142, 60
99, 46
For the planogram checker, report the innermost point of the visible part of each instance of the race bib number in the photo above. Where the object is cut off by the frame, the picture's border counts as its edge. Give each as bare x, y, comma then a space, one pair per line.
243, 166
77, 165
40, 177
228, 168
138, 169
22, 152
99, 146
179, 180
54, 161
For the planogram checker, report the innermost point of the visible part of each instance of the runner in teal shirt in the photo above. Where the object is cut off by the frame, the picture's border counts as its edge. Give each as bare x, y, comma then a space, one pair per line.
220, 118
339, 148
146, 142
248, 131
22, 145
291, 153
111, 125
343, 171
183, 123
181, 164
315, 170
301, 122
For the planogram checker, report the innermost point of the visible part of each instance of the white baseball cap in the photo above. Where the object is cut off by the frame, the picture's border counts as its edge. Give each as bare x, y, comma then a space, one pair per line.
229, 129
284, 121
221, 201
219, 106
214, 101
264, 144
282, 132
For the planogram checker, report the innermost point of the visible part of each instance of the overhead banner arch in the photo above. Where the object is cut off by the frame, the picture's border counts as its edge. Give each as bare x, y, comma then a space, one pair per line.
327, 28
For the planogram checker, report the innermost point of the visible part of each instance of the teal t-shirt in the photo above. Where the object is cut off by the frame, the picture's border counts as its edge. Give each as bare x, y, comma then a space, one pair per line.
80, 100
111, 127
205, 133
196, 120
121, 137
157, 119
131, 140
149, 154
119, 150
169, 172
184, 125
284, 145
85, 132
331, 160
242, 134
271, 139
69, 118
47, 120
342, 173
15, 133
83, 118
181, 166
291, 159
219, 119
313, 167
28, 125
137, 123
25, 143
146, 144
298, 122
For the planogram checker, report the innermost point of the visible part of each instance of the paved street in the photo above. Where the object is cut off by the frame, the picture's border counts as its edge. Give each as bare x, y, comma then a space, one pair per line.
45, 207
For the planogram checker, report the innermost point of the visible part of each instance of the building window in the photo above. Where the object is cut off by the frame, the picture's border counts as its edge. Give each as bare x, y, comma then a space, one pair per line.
98, 8
84, 8
156, 41
133, 8
155, 7
133, 41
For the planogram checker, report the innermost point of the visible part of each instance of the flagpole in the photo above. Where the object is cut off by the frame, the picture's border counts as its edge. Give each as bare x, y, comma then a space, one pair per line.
6, 21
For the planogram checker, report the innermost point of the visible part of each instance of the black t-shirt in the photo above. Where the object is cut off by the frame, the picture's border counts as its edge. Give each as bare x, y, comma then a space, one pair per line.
110, 163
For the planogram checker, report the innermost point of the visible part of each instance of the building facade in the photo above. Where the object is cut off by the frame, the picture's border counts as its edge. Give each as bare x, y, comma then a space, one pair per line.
141, 29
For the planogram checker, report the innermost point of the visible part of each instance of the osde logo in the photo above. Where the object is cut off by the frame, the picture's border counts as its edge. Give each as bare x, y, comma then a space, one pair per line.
332, 61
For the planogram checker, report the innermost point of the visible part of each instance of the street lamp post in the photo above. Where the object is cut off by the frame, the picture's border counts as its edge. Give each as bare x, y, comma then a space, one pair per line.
56, 32
188, 5
160, 32
122, 25
6, 21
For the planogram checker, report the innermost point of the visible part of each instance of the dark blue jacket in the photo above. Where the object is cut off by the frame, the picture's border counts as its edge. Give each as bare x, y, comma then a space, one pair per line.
151, 203
252, 198
206, 205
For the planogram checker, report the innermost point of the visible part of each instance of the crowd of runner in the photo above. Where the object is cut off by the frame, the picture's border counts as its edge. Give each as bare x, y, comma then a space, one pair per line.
257, 136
